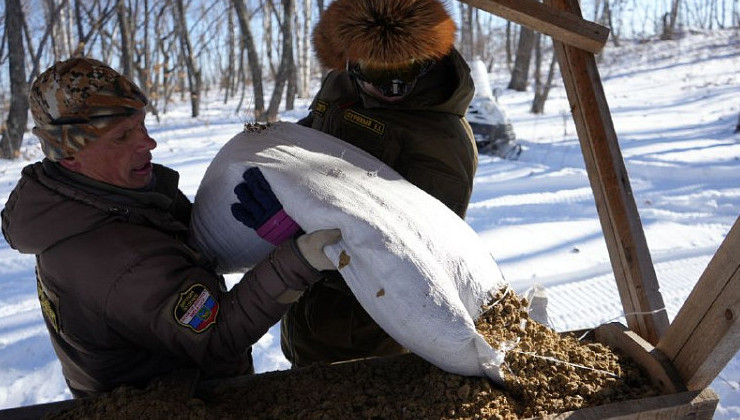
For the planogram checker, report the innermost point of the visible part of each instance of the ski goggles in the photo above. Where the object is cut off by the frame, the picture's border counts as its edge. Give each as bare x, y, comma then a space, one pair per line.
391, 82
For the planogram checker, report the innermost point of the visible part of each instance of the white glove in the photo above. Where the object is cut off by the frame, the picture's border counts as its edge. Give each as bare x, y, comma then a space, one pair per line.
311, 246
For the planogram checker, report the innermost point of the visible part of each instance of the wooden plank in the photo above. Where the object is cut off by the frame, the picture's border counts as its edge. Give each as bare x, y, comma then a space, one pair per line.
705, 334
625, 240
658, 367
565, 27
695, 405
37, 411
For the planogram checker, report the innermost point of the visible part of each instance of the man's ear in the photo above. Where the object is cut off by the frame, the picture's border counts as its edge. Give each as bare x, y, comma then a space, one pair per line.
70, 163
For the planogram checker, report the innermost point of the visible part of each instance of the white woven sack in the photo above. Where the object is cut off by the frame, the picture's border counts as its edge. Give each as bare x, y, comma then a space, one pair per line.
418, 269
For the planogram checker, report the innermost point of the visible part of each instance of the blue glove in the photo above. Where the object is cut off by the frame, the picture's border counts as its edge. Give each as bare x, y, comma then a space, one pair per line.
259, 209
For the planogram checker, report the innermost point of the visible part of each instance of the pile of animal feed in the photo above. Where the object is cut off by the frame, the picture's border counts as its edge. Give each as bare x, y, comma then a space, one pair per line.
545, 373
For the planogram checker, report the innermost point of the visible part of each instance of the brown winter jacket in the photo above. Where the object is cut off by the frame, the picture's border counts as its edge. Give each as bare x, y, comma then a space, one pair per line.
123, 296
424, 137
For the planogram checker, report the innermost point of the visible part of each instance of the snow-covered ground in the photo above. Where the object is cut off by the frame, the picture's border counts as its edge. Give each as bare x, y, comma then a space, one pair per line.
675, 106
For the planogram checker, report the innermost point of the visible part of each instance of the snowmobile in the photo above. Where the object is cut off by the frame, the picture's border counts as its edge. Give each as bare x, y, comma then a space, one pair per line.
494, 133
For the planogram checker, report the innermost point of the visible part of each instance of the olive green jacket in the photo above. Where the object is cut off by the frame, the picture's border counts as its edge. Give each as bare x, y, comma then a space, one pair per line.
427, 140
424, 137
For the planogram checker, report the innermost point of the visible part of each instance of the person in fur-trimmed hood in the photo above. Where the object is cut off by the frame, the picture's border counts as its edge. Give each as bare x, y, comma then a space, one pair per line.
398, 89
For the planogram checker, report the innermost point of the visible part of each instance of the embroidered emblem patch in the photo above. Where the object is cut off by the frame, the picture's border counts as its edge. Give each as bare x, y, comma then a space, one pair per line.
47, 307
358, 119
320, 107
196, 309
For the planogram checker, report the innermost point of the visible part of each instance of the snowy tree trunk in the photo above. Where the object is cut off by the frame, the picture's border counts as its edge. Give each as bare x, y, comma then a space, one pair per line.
286, 60
127, 62
669, 21
304, 52
254, 62
520, 74
15, 126
229, 78
541, 90
59, 19
195, 82
466, 31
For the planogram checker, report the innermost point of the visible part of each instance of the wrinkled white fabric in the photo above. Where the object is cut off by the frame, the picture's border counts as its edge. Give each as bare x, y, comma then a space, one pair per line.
419, 270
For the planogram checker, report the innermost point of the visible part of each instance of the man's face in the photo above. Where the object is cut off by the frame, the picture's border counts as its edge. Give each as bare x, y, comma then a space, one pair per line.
121, 156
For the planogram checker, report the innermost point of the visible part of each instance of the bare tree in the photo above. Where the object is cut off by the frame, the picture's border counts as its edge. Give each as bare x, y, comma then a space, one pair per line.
520, 73
163, 82
15, 126
229, 80
488, 40
605, 18
143, 60
286, 59
509, 43
195, 81
541, 89
466, 31
126, 57
36, 58
268, 8
91, 21
292, 88
254, 63
669, 21
304, 51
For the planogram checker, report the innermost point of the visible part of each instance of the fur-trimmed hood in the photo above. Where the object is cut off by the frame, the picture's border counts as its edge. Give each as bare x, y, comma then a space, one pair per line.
383, 33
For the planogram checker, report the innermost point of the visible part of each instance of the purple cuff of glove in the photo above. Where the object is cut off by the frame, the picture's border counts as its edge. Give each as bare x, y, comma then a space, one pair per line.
278, 228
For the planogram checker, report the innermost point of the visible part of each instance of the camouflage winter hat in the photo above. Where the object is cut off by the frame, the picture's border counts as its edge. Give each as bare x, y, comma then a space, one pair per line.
75, 101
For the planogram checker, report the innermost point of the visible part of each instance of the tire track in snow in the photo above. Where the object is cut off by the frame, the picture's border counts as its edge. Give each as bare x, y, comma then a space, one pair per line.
594, 299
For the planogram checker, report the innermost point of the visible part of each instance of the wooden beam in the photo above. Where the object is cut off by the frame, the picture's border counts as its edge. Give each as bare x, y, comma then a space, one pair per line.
620, 221
565, 27
656, 365
705, 334
694, 405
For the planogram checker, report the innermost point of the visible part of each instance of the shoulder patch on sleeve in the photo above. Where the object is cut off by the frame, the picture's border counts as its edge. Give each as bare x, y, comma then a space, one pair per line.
47, 306
320, 107
196, 308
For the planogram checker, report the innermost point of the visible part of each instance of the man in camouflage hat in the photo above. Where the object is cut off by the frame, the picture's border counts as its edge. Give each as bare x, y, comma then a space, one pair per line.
399, 90
123, 296
75, 101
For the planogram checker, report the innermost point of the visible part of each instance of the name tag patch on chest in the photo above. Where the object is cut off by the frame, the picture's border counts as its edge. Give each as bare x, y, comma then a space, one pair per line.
196, 308
363, 121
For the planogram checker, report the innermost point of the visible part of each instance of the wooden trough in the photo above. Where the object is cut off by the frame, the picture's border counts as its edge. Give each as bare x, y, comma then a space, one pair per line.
177, 393
675, 400
682, 357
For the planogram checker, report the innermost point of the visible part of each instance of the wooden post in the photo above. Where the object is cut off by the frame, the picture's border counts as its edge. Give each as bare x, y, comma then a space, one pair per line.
705, 334
620, 221
566, 27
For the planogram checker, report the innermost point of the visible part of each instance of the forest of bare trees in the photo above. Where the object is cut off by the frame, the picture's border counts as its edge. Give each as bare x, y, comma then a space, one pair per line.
247, 50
